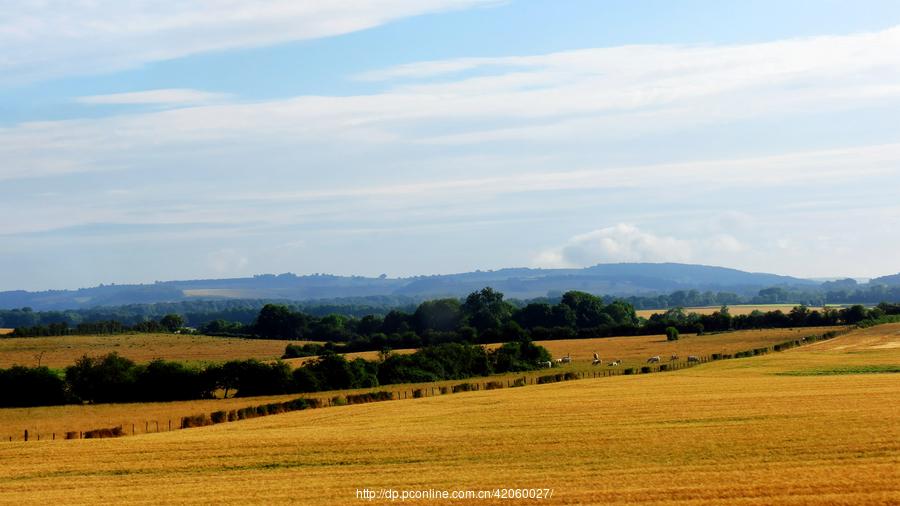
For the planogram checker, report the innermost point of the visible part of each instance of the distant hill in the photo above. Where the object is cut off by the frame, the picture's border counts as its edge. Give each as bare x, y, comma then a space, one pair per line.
892, 280
613, 279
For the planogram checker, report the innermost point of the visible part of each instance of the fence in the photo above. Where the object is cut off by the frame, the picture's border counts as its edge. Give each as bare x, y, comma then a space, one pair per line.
314, 402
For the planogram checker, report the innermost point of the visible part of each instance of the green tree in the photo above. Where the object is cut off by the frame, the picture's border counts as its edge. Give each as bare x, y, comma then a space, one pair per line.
671, 334
485, 309
172, 322
442, 315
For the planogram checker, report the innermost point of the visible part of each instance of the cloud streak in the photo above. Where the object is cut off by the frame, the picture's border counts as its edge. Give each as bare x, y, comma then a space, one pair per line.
169, 96
55, 38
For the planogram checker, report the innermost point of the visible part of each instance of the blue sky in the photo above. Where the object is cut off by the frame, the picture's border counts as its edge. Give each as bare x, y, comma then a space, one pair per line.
141, 142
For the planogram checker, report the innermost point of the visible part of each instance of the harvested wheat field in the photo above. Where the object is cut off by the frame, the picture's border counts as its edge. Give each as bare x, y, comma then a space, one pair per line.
4, 332
64, 350
736, 310
761, 430
632, 350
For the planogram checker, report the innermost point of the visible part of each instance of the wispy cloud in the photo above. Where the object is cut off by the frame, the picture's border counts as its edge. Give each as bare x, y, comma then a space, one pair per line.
168, 96
584, 140
47, 39
545, 105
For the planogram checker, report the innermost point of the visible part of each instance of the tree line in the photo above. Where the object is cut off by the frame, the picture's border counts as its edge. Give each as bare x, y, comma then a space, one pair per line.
168, 323
197, 313
112, 378
483, 316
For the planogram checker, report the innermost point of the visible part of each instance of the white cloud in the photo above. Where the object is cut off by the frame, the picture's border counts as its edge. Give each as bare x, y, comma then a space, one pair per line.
227, 261
628, 243
619, 243
563, 103
168, 96
42, 39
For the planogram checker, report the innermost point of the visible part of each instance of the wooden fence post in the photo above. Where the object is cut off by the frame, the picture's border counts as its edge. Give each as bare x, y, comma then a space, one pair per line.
26, 434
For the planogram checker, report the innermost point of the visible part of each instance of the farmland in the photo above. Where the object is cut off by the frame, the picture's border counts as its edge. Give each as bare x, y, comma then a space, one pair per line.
632, 350
63, 351
736, 310
729, 431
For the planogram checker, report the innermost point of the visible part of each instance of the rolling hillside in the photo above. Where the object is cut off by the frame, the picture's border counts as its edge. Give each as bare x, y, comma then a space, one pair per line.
612, 279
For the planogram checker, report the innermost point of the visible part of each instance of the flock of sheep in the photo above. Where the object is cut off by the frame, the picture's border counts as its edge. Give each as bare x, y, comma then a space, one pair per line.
612, 363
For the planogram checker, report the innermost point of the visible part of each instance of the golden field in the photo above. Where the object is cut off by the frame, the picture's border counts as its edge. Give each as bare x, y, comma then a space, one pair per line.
736, 310
64, 350
3, 332
632, 350
731, 432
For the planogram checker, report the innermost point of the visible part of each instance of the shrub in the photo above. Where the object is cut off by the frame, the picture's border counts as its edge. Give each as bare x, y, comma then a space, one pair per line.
462, 387
493, 385
554, 378
232, 415
338, 401
297, 404
72, 434
25, 386
629, 370
218, 416
418, 393
195, 421
369, 397
570, 376
716, 356
663, 367
646, 369
104, 433
262, 410
519, 382
245, 413
445, 390
671, 334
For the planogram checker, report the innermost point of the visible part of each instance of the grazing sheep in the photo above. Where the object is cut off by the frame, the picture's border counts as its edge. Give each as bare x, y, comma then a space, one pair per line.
674, 357
546, 363
597, 360
653, 360
693, 358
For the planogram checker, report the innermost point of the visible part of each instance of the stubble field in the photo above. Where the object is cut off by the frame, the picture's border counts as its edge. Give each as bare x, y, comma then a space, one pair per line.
744, 431
64, 350
736, 310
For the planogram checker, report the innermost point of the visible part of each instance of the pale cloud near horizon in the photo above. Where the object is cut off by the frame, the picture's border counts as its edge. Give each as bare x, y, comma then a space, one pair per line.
627, 243
56, 38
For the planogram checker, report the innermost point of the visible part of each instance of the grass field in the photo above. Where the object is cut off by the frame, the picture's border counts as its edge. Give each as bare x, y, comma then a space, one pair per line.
63, 351
732, 432
741, 309
3, 332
